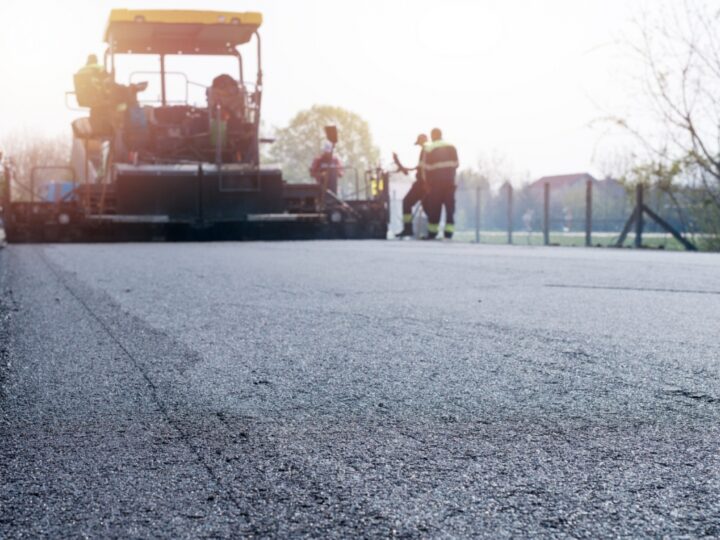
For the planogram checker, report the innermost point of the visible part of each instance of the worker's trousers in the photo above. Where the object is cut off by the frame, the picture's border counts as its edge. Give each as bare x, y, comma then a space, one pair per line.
330, 180
417, 193
442, 194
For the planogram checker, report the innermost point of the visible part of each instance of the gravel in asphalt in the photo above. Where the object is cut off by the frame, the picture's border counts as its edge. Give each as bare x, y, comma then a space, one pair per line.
336, 389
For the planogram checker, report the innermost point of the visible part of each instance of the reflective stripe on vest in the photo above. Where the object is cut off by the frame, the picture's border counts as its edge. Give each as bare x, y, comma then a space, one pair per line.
429, 147
439, 160
451, 164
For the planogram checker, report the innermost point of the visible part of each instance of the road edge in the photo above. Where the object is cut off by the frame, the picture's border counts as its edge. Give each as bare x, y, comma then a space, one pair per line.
6, 308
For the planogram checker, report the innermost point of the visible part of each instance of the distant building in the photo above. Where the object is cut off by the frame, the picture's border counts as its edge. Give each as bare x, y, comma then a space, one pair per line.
567, 199
563, 182
610, 187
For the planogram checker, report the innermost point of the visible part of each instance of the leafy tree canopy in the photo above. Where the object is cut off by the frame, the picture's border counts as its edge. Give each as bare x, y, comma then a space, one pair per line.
299, 142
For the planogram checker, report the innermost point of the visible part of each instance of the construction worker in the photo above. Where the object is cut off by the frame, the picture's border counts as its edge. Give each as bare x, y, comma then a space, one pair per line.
418, 191
92, 65
90, 83
92, 89
327, 168
95, 88
439, 162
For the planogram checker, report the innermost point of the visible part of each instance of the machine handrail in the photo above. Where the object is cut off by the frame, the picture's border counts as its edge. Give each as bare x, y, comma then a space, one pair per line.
11, 180
33, 188
248, 88
131, 79
72, 107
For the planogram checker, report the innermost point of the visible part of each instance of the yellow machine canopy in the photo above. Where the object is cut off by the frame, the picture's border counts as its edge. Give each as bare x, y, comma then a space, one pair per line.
179, 32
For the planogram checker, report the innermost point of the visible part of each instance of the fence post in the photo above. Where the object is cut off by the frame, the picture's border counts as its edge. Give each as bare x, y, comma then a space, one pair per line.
639, 215
588, 213
477, 214
509, 213
546, 213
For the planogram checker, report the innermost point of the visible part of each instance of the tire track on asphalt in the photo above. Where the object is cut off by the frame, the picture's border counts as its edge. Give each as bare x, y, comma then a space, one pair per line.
153, 389
633, 289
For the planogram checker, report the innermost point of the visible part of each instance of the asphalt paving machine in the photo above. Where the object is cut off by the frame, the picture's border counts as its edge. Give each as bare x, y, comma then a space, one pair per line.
170, 168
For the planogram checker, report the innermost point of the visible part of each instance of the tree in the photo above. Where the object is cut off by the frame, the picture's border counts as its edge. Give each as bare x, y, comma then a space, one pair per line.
299, 142
678, 46
27, 150
496, 168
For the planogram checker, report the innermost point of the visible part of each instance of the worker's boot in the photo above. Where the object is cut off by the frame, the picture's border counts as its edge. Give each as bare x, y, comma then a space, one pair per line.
449, 230
407, 231
432, 232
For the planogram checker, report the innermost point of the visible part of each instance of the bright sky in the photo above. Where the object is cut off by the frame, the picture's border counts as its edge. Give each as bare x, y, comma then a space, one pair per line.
519, 78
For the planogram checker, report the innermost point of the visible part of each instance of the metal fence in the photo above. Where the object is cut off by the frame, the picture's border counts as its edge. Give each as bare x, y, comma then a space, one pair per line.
592, 213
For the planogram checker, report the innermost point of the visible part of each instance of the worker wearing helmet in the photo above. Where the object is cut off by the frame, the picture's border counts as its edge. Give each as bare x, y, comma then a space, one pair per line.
326, 168
439, 162
418, 191
92, 89
90, 83
93, 66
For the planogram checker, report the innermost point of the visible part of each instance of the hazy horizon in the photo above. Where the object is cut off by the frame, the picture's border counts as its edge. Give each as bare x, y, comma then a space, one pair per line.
519, 79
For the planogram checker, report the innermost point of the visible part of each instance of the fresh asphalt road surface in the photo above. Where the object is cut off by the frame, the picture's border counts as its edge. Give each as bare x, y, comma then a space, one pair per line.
337, 389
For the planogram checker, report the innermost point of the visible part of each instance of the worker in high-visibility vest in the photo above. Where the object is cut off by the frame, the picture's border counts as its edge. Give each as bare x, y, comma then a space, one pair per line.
418, 191
92, 65
92, 89
91, 85
439, 162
